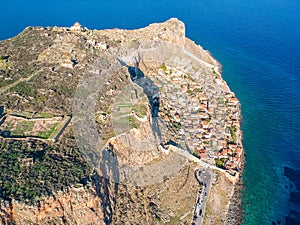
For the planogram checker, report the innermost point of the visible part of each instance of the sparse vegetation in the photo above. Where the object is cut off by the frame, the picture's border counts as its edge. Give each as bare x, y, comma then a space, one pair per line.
46, 134
233, 133
23, 128
176, 126
43, 115
6, 82
3, 57
134, 44
140, 110
195, 153
165, 178
133, 122
67, 91
163, 67
220, 163
24, 89
190, 92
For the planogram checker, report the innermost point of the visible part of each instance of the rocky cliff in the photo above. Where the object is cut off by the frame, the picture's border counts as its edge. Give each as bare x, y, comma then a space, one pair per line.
129, 177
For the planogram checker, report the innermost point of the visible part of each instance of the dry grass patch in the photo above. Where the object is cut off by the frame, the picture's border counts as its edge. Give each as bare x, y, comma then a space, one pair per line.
178, 200
218, 200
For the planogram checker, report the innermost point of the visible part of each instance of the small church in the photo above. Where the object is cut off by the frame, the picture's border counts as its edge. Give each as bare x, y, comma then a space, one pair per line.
76, 27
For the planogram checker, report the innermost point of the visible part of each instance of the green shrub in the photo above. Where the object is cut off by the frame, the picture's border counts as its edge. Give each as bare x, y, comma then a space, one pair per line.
163, 67
3, 57
133, 122
220, 163
24, 89
165, 178
233, 133
176, 126
51, 170
140, 110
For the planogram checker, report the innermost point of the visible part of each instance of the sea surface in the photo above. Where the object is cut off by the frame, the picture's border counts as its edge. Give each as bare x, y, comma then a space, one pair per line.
258, 44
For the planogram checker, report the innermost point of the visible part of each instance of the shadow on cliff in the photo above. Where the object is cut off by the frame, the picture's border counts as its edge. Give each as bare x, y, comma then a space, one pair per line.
150, 90
106, 182
107, 177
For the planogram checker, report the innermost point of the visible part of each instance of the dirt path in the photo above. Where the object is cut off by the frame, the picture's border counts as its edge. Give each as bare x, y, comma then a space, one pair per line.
18, 81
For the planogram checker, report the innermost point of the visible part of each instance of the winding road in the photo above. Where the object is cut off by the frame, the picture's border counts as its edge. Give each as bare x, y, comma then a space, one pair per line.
203, 176
204, 179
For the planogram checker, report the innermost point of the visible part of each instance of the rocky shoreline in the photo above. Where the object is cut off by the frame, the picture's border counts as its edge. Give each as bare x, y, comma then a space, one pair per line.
235, 212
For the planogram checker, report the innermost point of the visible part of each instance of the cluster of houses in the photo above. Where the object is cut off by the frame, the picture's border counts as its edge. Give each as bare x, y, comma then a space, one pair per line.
207, 119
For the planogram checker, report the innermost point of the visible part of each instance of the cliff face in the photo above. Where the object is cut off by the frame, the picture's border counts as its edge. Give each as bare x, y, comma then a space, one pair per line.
144, 184
110, 203
77, 206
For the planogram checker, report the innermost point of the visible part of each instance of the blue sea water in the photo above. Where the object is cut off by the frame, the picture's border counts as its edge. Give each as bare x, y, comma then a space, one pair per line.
258, 44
